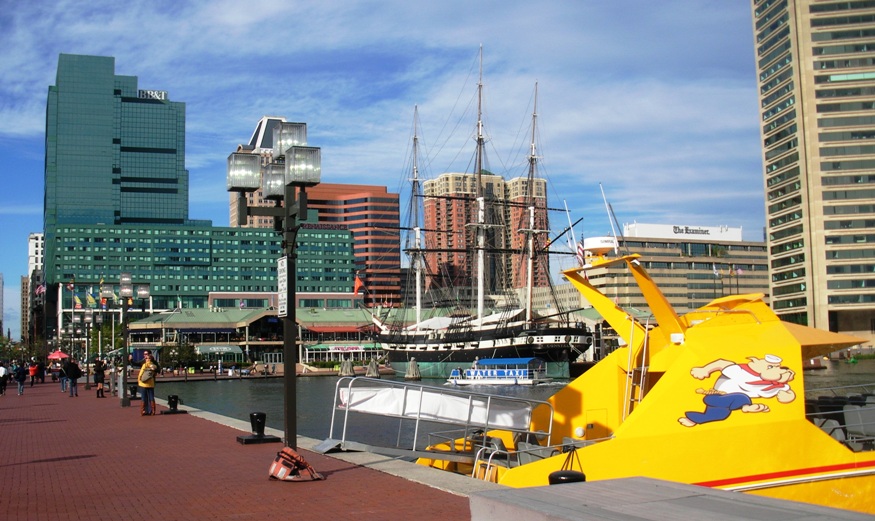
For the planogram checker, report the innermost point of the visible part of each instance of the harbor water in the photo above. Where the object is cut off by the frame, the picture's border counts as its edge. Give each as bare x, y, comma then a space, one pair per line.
238, 398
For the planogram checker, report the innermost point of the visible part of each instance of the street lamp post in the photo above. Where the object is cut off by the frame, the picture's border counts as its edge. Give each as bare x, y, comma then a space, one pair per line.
292, 170
126, 292
107, 295
88, 319
98, 319
75, 330
126, 296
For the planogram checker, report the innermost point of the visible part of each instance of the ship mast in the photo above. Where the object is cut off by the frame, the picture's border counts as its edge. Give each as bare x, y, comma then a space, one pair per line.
530, 187
481, 204
417, 257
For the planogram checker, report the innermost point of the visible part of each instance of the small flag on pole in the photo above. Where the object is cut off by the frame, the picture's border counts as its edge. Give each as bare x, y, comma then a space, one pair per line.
716, 273
40, 289
358, 285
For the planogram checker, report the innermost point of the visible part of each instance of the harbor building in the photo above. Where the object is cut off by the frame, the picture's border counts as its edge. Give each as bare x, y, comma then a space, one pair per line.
691, 264
815, 63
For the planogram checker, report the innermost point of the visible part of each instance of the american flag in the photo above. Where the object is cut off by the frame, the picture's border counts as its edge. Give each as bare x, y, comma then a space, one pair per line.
40, 289
581, 255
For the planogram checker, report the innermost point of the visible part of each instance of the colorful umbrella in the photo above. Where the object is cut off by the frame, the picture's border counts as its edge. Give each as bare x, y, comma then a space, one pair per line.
58, 355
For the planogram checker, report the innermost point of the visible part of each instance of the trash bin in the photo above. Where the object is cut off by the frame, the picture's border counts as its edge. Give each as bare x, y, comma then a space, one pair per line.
565, 476
257, 419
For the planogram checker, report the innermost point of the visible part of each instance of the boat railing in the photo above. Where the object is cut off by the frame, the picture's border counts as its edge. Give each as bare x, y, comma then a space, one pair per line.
490, 455
413, 408
716, 312
846, 413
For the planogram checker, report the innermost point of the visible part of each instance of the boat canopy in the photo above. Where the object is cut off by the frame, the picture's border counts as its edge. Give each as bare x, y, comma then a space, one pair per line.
217, 349
490, 362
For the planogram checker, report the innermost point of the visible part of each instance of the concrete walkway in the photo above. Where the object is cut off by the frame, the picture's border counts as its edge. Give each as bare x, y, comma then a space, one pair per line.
90, 459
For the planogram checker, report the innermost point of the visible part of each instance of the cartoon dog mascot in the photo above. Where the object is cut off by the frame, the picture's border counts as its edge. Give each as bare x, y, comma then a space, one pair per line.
737, 384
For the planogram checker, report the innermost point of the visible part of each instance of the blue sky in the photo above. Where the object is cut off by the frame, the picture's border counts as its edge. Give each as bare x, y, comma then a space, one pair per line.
655, 100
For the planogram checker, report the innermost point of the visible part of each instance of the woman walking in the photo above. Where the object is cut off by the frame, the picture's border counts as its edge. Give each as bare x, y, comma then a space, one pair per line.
99, 377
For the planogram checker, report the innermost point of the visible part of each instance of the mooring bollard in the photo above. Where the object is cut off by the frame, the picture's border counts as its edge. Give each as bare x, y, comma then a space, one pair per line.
258, 421
173, 402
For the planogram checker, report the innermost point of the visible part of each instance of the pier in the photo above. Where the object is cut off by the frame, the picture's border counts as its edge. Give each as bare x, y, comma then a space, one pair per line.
87, 458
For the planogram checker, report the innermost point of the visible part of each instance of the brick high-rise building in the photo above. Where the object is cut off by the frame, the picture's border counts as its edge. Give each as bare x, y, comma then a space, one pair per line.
450, 208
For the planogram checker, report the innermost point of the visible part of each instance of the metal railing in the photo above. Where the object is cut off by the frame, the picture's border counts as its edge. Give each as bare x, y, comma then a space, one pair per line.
417, 408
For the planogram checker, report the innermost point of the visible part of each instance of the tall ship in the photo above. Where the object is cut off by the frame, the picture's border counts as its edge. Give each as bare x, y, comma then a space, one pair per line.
474, 267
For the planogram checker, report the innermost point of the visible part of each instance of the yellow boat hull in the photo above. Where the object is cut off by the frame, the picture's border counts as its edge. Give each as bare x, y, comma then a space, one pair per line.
714, 398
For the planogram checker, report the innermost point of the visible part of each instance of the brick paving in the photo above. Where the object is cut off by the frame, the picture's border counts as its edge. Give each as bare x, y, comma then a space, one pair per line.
90, 459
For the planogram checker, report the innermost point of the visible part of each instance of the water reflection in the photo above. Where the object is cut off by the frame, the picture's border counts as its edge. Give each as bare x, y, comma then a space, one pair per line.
839, 373
237, 398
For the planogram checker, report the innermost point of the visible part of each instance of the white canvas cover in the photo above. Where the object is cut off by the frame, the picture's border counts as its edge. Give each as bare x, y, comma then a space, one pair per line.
436, 406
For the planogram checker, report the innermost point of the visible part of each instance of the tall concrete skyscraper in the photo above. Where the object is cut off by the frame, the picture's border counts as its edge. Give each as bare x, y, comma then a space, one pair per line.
815, 62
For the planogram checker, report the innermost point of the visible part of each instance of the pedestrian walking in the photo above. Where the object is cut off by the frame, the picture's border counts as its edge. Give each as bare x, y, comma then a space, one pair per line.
4, 377
99, 377
146, 381
19, 374
62, 376
73, 374
33, 370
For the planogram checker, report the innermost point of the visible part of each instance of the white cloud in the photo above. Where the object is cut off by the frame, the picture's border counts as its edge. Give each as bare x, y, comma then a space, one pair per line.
640, 95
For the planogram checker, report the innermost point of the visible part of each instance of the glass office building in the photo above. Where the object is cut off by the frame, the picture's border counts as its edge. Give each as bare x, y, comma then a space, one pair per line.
115, 154
116, 200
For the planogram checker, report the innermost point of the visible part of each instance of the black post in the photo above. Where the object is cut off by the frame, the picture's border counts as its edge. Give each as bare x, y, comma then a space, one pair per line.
290, 338
123, 386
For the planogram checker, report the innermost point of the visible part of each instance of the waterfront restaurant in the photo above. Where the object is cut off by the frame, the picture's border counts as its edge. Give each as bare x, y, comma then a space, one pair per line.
248, 335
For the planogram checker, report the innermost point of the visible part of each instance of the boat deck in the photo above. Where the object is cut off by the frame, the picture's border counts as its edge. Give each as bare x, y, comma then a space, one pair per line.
846, 413
641, 499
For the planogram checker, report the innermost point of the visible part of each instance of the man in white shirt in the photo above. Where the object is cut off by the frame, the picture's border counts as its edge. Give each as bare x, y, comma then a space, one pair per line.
4, 377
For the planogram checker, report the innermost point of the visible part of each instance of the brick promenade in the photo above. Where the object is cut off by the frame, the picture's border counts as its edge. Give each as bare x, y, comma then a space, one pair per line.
90, 459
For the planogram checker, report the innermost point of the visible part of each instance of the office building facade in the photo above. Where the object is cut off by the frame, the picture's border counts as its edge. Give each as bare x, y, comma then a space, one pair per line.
116, 201
449, 208
370, 213
692, 265
815, 62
